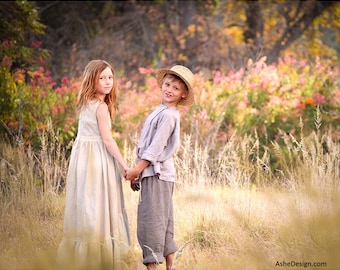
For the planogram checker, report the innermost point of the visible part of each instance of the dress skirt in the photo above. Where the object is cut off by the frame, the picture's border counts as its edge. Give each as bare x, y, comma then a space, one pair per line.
96, 231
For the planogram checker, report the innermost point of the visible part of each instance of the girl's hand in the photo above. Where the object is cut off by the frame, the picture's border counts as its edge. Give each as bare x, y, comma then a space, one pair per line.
131, 174
125, 170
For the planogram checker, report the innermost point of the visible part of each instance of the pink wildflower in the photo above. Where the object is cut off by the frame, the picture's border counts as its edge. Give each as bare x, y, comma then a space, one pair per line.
60, 90
145, 70
302, 63
217, 76
64, 80
127, 85
36, 44
246, 100
152, 83
252, 86
8, 44
262, 84
275, 100
287, 59
12, 124
298, 104
7, 61
318, 98
41, 61
336, 97
302, 80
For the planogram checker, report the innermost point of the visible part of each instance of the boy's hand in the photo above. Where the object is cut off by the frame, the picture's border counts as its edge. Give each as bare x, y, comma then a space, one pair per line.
135, 185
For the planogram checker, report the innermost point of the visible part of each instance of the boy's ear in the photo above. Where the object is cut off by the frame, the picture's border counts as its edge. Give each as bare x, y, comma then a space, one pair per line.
185, 94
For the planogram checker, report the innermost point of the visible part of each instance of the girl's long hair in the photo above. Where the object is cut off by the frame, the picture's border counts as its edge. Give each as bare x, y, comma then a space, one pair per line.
88, 86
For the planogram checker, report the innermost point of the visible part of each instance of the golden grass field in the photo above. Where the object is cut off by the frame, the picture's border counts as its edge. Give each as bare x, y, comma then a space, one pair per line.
292, 225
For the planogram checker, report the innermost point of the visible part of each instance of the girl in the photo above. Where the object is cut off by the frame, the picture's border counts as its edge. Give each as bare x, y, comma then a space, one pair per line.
96, 229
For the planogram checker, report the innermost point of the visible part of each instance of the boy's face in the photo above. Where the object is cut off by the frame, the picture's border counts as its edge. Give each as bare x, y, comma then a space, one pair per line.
173, 90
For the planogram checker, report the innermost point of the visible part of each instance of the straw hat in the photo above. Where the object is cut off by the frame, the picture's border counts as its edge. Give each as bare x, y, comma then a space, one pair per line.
186, 75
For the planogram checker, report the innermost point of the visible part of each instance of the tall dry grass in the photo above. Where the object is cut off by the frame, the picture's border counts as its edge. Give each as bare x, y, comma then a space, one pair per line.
241, 207
31, 209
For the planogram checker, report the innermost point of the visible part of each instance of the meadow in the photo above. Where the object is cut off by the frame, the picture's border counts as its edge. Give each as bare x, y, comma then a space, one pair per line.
233, 210
258, 168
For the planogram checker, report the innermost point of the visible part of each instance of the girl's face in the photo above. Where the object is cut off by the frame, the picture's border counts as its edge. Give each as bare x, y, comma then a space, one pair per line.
105, 83
173, 91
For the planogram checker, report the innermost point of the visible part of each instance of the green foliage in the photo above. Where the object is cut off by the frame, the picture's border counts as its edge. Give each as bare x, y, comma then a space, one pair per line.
18, 17
30, 106
20, 57
29, 97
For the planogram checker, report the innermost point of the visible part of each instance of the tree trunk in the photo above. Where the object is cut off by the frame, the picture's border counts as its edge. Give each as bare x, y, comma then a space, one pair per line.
253, 35
297, 24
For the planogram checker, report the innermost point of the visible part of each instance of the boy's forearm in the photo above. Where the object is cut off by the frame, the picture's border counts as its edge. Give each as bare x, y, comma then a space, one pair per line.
141, 165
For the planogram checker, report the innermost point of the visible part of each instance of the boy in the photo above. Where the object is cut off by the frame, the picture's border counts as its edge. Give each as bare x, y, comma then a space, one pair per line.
155, 168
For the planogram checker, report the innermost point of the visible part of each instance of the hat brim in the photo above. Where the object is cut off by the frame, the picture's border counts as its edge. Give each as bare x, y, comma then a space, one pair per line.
184, 101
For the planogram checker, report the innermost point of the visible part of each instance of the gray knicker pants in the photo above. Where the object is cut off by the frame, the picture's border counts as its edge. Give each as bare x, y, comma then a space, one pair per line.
155, 223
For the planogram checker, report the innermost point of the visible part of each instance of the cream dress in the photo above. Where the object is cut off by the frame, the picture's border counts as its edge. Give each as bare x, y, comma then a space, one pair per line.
96, 230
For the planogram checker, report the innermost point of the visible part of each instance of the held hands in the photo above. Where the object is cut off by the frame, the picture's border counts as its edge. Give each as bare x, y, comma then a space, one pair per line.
132, 175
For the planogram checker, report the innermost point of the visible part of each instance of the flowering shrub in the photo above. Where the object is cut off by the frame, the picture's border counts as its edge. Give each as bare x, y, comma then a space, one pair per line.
259, 99
269, 99
135, 102
30, 98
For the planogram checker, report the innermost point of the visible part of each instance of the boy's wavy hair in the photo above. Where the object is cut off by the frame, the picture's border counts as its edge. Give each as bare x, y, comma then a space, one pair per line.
88, 86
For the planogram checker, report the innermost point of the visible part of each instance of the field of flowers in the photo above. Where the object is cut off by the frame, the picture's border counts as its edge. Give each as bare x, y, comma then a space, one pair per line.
258, 166
259, 100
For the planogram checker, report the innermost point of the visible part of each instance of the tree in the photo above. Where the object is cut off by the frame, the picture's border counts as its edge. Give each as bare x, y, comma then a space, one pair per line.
19, 54
213, 35
294, 18
17, 18
71, 27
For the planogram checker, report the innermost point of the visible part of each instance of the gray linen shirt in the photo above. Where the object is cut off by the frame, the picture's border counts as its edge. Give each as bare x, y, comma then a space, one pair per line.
159, 141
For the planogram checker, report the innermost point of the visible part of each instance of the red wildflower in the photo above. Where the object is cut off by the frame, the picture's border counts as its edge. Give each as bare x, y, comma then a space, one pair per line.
309, 101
